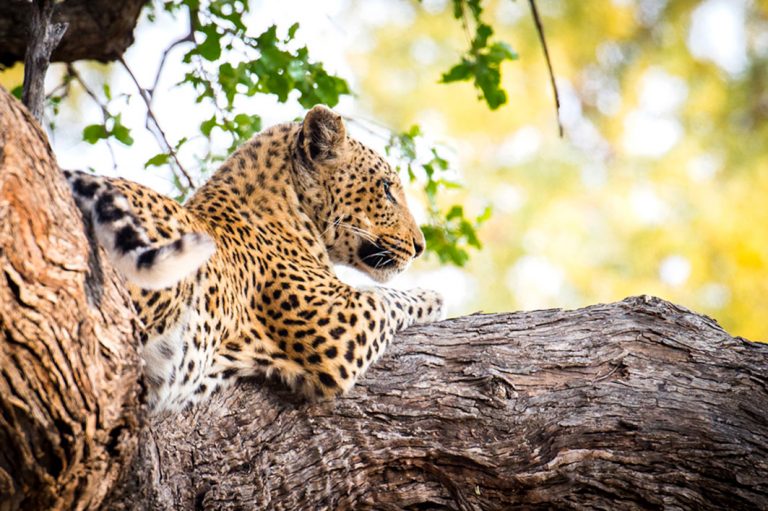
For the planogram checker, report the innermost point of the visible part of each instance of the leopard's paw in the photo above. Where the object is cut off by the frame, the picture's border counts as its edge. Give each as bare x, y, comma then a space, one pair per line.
430, 306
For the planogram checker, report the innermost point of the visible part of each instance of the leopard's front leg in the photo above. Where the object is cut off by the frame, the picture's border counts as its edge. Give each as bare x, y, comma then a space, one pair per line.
322, 347
379, 314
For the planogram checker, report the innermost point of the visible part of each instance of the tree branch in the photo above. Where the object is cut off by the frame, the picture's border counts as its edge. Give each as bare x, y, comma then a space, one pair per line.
160, 136
44, 36
633, 405
188, 38
98, 29
543, 40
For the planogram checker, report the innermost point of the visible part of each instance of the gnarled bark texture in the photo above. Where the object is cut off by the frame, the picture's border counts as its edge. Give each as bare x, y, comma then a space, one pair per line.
68, 366
98, 29
633, 405
639, 404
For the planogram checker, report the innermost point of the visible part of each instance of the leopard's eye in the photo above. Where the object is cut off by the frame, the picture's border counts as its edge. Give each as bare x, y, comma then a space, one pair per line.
389, 195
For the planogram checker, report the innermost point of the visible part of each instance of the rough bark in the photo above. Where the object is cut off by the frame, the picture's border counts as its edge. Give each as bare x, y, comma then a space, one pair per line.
44, 36
98, 29
639, 404
68, 366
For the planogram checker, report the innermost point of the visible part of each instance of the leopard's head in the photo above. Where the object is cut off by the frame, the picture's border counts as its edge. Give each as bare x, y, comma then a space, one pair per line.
355, 198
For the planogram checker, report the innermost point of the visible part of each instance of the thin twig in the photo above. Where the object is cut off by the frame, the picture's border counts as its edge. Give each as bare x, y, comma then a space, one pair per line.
543, 40
63, 86
190, 37
71, 71
465, 24
160, 136
366, 124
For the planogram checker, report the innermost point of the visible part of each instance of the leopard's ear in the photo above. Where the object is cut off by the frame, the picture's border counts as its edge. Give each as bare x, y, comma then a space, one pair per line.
323, 134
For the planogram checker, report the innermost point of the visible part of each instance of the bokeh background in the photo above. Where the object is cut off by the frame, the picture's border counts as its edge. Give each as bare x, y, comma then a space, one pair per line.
660, 185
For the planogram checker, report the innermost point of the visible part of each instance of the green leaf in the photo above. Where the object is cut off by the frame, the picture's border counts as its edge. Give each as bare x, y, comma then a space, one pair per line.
430, 189
482, 34
429, 170
414, 131
468, 230
120, 132
450, 236
450, 184
94, 132
157, 160
245, 127
476, 7
180, 143
488, 78
484, 216
501, 51
329, 88
482, 60
269, 36
459, 72
207, 126
411, 174
458, 9
123, 134
229, 77
455, 212
441, 162
210, 49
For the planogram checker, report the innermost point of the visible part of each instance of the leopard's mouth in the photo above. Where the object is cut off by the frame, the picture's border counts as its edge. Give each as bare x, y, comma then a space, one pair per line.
376, 256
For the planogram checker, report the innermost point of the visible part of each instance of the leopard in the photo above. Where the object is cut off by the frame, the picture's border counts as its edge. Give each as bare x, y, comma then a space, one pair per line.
240, 281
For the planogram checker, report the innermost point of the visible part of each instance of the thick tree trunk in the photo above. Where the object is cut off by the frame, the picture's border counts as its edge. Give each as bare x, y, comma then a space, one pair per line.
633, 405
68, 366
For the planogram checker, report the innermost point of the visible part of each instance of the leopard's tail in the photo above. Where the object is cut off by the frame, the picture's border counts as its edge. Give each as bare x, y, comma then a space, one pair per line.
121, 234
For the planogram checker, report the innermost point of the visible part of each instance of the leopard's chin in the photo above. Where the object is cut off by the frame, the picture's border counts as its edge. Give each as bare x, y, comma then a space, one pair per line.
382, 276
380, 263
376, 256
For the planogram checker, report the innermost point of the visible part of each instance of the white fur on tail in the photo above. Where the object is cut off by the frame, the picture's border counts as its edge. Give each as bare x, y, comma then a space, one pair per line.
172, 262
121, 234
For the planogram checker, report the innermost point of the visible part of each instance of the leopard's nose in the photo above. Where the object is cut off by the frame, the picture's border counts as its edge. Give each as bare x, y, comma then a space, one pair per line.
418, 247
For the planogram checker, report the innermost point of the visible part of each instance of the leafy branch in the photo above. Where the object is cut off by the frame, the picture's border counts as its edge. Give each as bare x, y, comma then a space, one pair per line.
449, 234
262, 65
482, 61
224, 64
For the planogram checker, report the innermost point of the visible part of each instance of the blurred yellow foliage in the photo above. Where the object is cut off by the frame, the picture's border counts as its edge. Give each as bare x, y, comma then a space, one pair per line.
660, 183
12, 76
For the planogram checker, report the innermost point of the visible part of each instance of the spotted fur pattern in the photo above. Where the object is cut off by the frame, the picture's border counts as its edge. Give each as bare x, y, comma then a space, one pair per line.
281, 210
